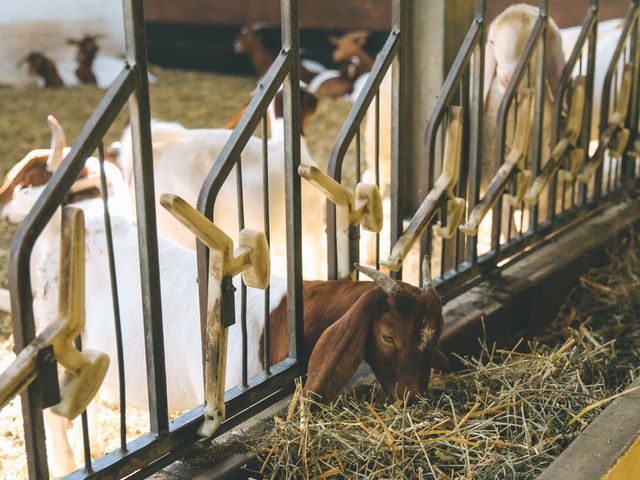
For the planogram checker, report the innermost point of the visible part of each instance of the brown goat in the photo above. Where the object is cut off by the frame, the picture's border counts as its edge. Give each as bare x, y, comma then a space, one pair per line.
43, 67
350, 49
393, 326
87, 50
249, 42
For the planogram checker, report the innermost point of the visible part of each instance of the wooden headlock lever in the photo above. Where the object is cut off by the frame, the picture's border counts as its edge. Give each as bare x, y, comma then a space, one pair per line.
443, 191
85, 370
615, 136
565, 149
362, 209
251, 259
515, 162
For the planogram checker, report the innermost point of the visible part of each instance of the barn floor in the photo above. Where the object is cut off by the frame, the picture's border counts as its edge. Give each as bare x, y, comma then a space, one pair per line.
195, 99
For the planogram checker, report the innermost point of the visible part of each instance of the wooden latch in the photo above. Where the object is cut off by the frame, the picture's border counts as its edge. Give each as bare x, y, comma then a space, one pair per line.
443, 190
251, 259
83, 371
515, 162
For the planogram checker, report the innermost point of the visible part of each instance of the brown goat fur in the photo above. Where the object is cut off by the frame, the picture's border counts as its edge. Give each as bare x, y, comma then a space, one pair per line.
87, 50
43, 67
351, 45
348, 322
249, 42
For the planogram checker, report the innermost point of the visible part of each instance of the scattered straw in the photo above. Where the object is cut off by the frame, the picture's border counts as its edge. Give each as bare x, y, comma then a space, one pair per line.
507, 414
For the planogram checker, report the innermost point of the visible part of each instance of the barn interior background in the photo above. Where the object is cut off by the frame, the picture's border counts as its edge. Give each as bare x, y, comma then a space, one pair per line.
198, 80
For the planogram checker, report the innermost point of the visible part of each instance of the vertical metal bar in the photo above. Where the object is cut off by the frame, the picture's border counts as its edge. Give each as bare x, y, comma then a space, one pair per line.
538, 122
290, 44
243, 287
139, 113
86, 443
376, 167
628, 162
401, 69
267, 233
104, 190
358, 155
475, 124
354, 231
585, 136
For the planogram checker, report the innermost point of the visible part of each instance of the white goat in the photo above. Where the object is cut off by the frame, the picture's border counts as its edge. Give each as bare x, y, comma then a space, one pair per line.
609, 32
506, 40
181, 320
183, 157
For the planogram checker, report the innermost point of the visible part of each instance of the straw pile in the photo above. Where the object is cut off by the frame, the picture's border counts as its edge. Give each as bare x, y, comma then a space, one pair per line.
507, 414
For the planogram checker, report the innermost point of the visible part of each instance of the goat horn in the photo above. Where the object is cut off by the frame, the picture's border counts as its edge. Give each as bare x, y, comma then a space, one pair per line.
58, 142
387, 283
427, 281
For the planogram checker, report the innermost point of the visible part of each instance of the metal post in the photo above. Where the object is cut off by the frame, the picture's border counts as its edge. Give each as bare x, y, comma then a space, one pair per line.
400, 117
628, 165
140, 115
290, 45
538, 120
432, 34
475, 125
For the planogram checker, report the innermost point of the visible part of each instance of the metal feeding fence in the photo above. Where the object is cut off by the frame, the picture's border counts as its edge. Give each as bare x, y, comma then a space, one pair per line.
534, 180
533, 189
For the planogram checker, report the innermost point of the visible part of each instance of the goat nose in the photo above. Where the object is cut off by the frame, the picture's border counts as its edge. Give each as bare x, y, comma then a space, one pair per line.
504, 80
237, 47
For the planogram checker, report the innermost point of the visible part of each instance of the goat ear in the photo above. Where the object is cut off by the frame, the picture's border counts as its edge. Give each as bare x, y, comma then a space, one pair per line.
334, 40
73, 41
490, 66
555, 60
341, 347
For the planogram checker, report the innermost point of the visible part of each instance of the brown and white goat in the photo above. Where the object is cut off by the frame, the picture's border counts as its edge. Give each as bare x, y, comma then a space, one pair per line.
86, 54
249, 42
44, 68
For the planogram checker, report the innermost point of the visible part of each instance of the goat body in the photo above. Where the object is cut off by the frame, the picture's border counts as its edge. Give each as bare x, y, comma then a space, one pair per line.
183, 158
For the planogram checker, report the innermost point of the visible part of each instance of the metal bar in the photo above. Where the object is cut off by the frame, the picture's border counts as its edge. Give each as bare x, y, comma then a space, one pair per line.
399, 101
104, 190
86, 443
376, 168
538, 119
290, 44
243, 287
267, 88
475, 125
267, 233
140, 117
348, 132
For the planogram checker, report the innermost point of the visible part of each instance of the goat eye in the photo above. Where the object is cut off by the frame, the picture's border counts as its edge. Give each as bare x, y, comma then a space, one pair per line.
387, 338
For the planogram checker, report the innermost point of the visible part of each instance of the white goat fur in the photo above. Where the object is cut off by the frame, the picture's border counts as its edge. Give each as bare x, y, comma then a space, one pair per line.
182, 159
181, 321
609, 33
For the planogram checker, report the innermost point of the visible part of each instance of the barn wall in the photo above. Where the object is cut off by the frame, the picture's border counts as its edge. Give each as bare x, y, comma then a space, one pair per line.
333, 14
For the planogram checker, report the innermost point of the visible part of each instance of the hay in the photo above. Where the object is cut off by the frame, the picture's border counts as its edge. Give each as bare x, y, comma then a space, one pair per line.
507, 414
